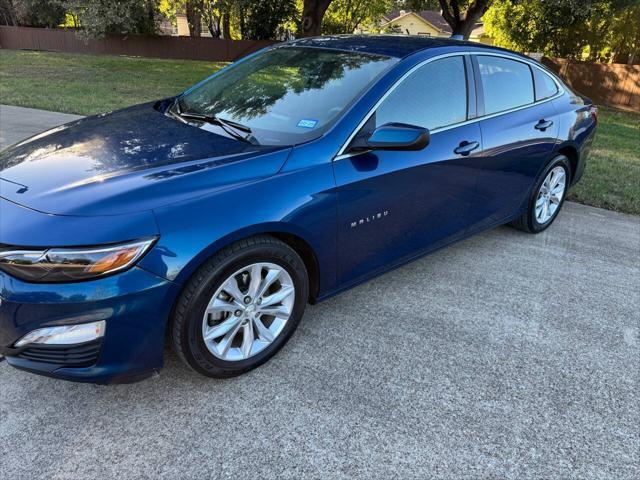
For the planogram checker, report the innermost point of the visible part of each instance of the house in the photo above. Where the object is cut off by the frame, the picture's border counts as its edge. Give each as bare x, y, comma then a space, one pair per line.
182, 26
425, 22
166, 27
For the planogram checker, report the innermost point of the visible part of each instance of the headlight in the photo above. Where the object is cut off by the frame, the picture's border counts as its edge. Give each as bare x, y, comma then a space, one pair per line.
71, 264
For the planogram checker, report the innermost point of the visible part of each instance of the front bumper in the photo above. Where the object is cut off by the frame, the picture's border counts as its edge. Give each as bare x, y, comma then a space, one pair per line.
135, 305
57, 356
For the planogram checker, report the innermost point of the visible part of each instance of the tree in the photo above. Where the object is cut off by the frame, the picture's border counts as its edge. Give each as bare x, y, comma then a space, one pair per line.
8, 14
32, 13
463, 22
98, 17
211, 12
595, 30
345, 16
254, 19
548, 26
194, 17
624, 36
214, 14
393, 28
416, 5
263, 19
312, 14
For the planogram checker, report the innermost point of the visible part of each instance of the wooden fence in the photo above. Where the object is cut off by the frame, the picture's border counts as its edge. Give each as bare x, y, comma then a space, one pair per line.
615, 85
607, 84
157, 46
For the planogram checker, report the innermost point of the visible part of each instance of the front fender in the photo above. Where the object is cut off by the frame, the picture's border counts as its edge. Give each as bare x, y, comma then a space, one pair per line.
300, 203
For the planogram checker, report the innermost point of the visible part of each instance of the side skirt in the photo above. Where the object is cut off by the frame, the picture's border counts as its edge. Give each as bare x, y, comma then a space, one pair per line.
403, 261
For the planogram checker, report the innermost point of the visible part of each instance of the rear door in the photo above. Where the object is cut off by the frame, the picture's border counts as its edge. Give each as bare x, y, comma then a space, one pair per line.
519, 134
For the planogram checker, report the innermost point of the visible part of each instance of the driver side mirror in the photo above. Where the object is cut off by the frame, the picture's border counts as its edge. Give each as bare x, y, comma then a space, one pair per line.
393, 136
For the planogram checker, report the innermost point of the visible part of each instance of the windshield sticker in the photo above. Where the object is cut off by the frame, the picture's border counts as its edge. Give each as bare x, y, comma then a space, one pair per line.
307, 123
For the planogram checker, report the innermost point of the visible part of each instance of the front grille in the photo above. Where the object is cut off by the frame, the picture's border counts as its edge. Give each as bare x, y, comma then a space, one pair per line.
83, 355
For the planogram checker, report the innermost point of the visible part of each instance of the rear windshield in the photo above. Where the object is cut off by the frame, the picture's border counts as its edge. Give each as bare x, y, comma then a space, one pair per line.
287, 95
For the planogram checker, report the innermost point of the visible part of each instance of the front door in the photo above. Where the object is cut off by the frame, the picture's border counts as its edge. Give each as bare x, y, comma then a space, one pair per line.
395, 204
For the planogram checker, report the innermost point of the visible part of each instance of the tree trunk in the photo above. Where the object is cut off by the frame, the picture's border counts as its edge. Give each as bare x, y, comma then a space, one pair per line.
243, 25
214, 24
312, 13
464, 28
213, 31
462, 24
226, 26
194, 19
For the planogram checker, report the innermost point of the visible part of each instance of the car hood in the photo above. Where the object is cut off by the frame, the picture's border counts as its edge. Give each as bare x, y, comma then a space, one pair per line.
126, 161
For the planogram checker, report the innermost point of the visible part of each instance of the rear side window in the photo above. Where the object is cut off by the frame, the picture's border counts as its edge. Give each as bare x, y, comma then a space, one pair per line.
506, 83
433, 96
545, 86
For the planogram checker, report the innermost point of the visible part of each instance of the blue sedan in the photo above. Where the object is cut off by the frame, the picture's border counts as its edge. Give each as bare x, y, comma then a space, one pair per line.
209, 220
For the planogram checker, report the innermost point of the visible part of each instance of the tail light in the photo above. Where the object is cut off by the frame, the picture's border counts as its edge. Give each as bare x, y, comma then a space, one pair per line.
594, 112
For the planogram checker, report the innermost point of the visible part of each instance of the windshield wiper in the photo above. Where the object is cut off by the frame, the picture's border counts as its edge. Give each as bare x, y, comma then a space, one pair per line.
232, 128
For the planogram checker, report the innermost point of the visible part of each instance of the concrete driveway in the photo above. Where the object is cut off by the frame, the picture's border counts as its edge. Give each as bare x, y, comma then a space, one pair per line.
17, 123
506, 356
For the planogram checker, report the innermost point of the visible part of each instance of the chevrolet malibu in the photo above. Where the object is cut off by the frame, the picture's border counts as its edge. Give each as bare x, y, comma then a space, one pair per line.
209, 220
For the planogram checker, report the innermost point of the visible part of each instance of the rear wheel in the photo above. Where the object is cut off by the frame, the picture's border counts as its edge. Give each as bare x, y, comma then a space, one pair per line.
546, 198
240, 307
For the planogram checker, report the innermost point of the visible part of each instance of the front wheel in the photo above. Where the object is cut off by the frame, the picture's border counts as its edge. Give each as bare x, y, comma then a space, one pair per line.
240, 307
546, 198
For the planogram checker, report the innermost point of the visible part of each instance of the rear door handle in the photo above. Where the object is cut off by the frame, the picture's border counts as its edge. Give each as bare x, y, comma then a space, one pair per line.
543, 124
466, 148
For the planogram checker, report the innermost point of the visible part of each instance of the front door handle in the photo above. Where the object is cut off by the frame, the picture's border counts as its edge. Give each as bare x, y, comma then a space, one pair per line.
543, 124
466, 148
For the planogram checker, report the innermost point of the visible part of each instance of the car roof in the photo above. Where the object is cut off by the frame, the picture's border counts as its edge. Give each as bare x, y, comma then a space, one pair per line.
398, 46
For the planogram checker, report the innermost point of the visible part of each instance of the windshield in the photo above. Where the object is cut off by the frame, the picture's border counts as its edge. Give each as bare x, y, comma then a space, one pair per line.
286, 95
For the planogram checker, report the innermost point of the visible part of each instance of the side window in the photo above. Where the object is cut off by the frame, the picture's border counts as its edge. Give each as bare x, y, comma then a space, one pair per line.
506, 83
433, 96
545, 86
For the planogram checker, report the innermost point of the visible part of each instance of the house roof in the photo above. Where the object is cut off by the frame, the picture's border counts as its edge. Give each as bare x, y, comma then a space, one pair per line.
430, 16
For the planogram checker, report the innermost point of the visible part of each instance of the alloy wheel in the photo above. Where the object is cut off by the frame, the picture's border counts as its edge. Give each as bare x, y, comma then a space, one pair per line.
248, 311
550, 195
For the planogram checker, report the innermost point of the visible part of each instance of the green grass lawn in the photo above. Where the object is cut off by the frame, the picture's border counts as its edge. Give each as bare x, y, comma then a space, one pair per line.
612, 178
88, 84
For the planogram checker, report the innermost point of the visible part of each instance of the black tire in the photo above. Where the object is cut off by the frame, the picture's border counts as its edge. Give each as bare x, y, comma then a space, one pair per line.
527, 222
186, 327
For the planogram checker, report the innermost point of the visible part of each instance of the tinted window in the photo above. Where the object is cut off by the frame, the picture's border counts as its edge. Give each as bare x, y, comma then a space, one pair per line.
433, 96
287, 95
545, 86
506, 83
